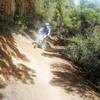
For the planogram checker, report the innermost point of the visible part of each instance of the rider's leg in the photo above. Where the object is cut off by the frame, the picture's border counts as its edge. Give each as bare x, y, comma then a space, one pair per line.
44, 42
40, 40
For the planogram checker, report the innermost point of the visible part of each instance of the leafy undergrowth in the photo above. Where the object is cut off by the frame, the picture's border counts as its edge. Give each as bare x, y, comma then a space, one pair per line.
85, 53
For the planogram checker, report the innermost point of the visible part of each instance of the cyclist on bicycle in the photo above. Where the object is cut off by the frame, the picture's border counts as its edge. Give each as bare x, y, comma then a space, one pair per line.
44, 32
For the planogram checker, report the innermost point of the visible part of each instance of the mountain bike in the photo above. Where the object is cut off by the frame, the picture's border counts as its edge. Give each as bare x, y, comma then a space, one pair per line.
40, 43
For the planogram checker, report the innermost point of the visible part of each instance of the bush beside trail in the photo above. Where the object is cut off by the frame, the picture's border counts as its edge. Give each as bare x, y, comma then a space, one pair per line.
85, 52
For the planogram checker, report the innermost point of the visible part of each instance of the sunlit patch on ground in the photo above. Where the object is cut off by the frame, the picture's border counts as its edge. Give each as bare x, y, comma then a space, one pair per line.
65, 77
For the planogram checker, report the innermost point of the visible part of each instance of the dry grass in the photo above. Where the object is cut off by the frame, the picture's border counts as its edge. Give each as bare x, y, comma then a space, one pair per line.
7, 68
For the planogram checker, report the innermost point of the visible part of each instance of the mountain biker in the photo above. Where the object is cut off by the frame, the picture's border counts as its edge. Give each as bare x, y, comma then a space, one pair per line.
44, 31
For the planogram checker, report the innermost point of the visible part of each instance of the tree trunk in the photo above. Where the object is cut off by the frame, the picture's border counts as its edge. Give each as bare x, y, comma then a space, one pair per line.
9, 7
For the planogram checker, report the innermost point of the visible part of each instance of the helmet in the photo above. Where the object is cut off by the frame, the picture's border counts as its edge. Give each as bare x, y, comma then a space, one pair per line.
47, 24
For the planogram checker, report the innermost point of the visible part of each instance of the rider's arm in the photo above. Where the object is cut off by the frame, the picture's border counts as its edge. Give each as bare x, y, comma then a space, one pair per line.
40, 31
49, 31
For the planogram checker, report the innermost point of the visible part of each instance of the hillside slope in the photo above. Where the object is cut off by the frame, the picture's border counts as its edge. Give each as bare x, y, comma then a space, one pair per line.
44, 76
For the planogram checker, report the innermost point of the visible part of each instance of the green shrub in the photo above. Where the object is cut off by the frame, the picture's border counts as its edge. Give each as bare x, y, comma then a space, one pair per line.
85, 52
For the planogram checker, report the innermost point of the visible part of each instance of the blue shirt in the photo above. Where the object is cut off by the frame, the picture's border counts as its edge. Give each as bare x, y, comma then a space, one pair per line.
45, 30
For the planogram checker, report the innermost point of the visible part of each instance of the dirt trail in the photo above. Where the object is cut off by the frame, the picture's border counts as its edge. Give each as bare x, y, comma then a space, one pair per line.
41, 89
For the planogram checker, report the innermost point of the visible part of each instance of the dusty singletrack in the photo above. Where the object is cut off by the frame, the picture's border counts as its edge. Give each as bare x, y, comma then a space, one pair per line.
41, 89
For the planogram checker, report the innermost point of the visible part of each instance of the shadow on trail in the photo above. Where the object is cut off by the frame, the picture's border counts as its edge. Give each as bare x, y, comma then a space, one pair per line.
1, 96
7, 68
8, 43
65, 77
56, 54
51, 55
2, 86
